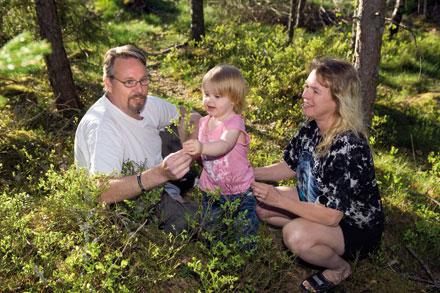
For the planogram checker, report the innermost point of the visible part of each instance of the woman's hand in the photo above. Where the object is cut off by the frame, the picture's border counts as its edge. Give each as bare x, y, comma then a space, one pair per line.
266, 193
193, 147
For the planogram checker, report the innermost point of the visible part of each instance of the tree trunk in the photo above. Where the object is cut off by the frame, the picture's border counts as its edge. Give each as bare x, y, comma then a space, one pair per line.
58, 66
369, 33
296, 10
354, 24
293, 17
425, 7
197, 20
300, 15
396, 18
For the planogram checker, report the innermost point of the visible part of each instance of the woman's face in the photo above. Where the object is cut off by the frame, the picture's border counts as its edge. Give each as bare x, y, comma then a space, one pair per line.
317, 100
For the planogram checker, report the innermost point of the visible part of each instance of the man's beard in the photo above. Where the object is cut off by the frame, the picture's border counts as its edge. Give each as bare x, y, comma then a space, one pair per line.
136, 107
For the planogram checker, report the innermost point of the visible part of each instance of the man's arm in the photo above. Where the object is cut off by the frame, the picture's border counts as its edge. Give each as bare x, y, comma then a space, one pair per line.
173, 167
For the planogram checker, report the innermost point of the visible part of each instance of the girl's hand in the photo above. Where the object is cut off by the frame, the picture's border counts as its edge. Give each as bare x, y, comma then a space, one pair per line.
193, 147
266, 193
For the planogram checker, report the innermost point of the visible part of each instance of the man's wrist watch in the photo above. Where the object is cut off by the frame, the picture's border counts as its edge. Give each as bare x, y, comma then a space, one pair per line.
139, 180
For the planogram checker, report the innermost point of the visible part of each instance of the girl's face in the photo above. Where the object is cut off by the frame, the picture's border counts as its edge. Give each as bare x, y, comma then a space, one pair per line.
318, 103
217, 106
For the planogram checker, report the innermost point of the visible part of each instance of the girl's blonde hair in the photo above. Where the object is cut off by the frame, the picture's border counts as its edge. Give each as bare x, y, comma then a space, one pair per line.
227, 80
344, 84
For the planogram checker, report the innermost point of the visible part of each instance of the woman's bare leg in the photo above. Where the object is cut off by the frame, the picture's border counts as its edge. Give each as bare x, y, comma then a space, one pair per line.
272, 217
276, 216
320, 245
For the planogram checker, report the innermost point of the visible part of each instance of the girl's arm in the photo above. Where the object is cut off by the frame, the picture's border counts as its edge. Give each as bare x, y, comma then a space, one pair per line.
274, 172
216, 148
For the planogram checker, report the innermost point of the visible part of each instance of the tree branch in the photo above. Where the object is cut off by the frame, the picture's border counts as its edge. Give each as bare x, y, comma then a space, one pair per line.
167, 50
424, 266
389, 20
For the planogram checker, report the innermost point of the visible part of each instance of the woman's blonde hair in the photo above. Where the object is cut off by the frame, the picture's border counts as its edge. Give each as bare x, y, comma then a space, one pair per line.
227, 80
344, 84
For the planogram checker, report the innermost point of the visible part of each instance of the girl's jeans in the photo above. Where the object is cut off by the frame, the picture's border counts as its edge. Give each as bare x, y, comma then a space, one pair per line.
218, 209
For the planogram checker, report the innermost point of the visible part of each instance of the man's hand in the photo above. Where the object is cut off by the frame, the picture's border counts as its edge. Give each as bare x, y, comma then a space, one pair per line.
193, 147
176, 165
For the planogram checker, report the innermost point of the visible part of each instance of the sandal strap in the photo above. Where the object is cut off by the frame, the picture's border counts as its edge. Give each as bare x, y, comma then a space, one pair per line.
319, 282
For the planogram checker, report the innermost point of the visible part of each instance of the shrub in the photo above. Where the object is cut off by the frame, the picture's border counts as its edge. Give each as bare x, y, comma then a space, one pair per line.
275, 72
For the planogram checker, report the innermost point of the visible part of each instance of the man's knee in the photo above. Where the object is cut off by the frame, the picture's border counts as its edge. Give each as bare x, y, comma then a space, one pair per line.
170, 140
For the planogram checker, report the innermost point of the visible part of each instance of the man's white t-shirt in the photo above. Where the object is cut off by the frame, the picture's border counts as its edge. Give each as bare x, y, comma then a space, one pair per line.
106, 137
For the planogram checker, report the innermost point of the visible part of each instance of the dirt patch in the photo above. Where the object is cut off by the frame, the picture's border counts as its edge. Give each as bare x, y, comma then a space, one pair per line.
168, 87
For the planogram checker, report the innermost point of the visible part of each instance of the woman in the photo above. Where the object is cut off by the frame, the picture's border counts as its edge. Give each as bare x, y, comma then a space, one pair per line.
335, 212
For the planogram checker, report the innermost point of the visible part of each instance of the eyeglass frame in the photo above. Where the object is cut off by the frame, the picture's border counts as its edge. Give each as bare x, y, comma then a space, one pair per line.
141, 81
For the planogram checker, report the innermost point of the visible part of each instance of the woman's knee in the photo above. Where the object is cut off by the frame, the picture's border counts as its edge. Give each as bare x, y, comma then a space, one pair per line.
296, 236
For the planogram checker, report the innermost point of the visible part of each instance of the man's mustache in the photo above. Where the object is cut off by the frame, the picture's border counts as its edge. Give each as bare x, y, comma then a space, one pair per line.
138, 97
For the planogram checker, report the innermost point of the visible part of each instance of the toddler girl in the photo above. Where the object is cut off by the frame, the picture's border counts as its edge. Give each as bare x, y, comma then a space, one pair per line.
223, 145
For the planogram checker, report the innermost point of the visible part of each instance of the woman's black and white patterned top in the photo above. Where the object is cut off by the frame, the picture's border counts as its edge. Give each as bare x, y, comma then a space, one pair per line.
343, 179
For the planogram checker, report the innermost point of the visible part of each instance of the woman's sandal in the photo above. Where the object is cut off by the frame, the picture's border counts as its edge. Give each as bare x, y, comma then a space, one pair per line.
318, 283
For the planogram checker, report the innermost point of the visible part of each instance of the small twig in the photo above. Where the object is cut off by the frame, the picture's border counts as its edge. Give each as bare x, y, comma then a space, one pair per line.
149, 210
425, 267
433, 200
277, 12
324, 13
167, 50
387, 19
392, 263
35, 117
134, 233
417, 279
414, 37
9, 79
412, 147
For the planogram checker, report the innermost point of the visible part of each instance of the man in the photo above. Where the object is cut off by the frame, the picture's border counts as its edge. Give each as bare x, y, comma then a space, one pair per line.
122, 129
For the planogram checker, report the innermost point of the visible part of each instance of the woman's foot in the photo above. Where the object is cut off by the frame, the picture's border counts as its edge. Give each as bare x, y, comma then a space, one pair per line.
325, 280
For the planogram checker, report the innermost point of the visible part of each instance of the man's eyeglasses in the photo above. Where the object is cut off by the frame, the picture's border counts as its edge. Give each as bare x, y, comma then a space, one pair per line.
129, 83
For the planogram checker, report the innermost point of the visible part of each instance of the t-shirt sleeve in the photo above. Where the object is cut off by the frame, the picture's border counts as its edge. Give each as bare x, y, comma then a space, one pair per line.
236, 122
349, 172
291, 152
161, 111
